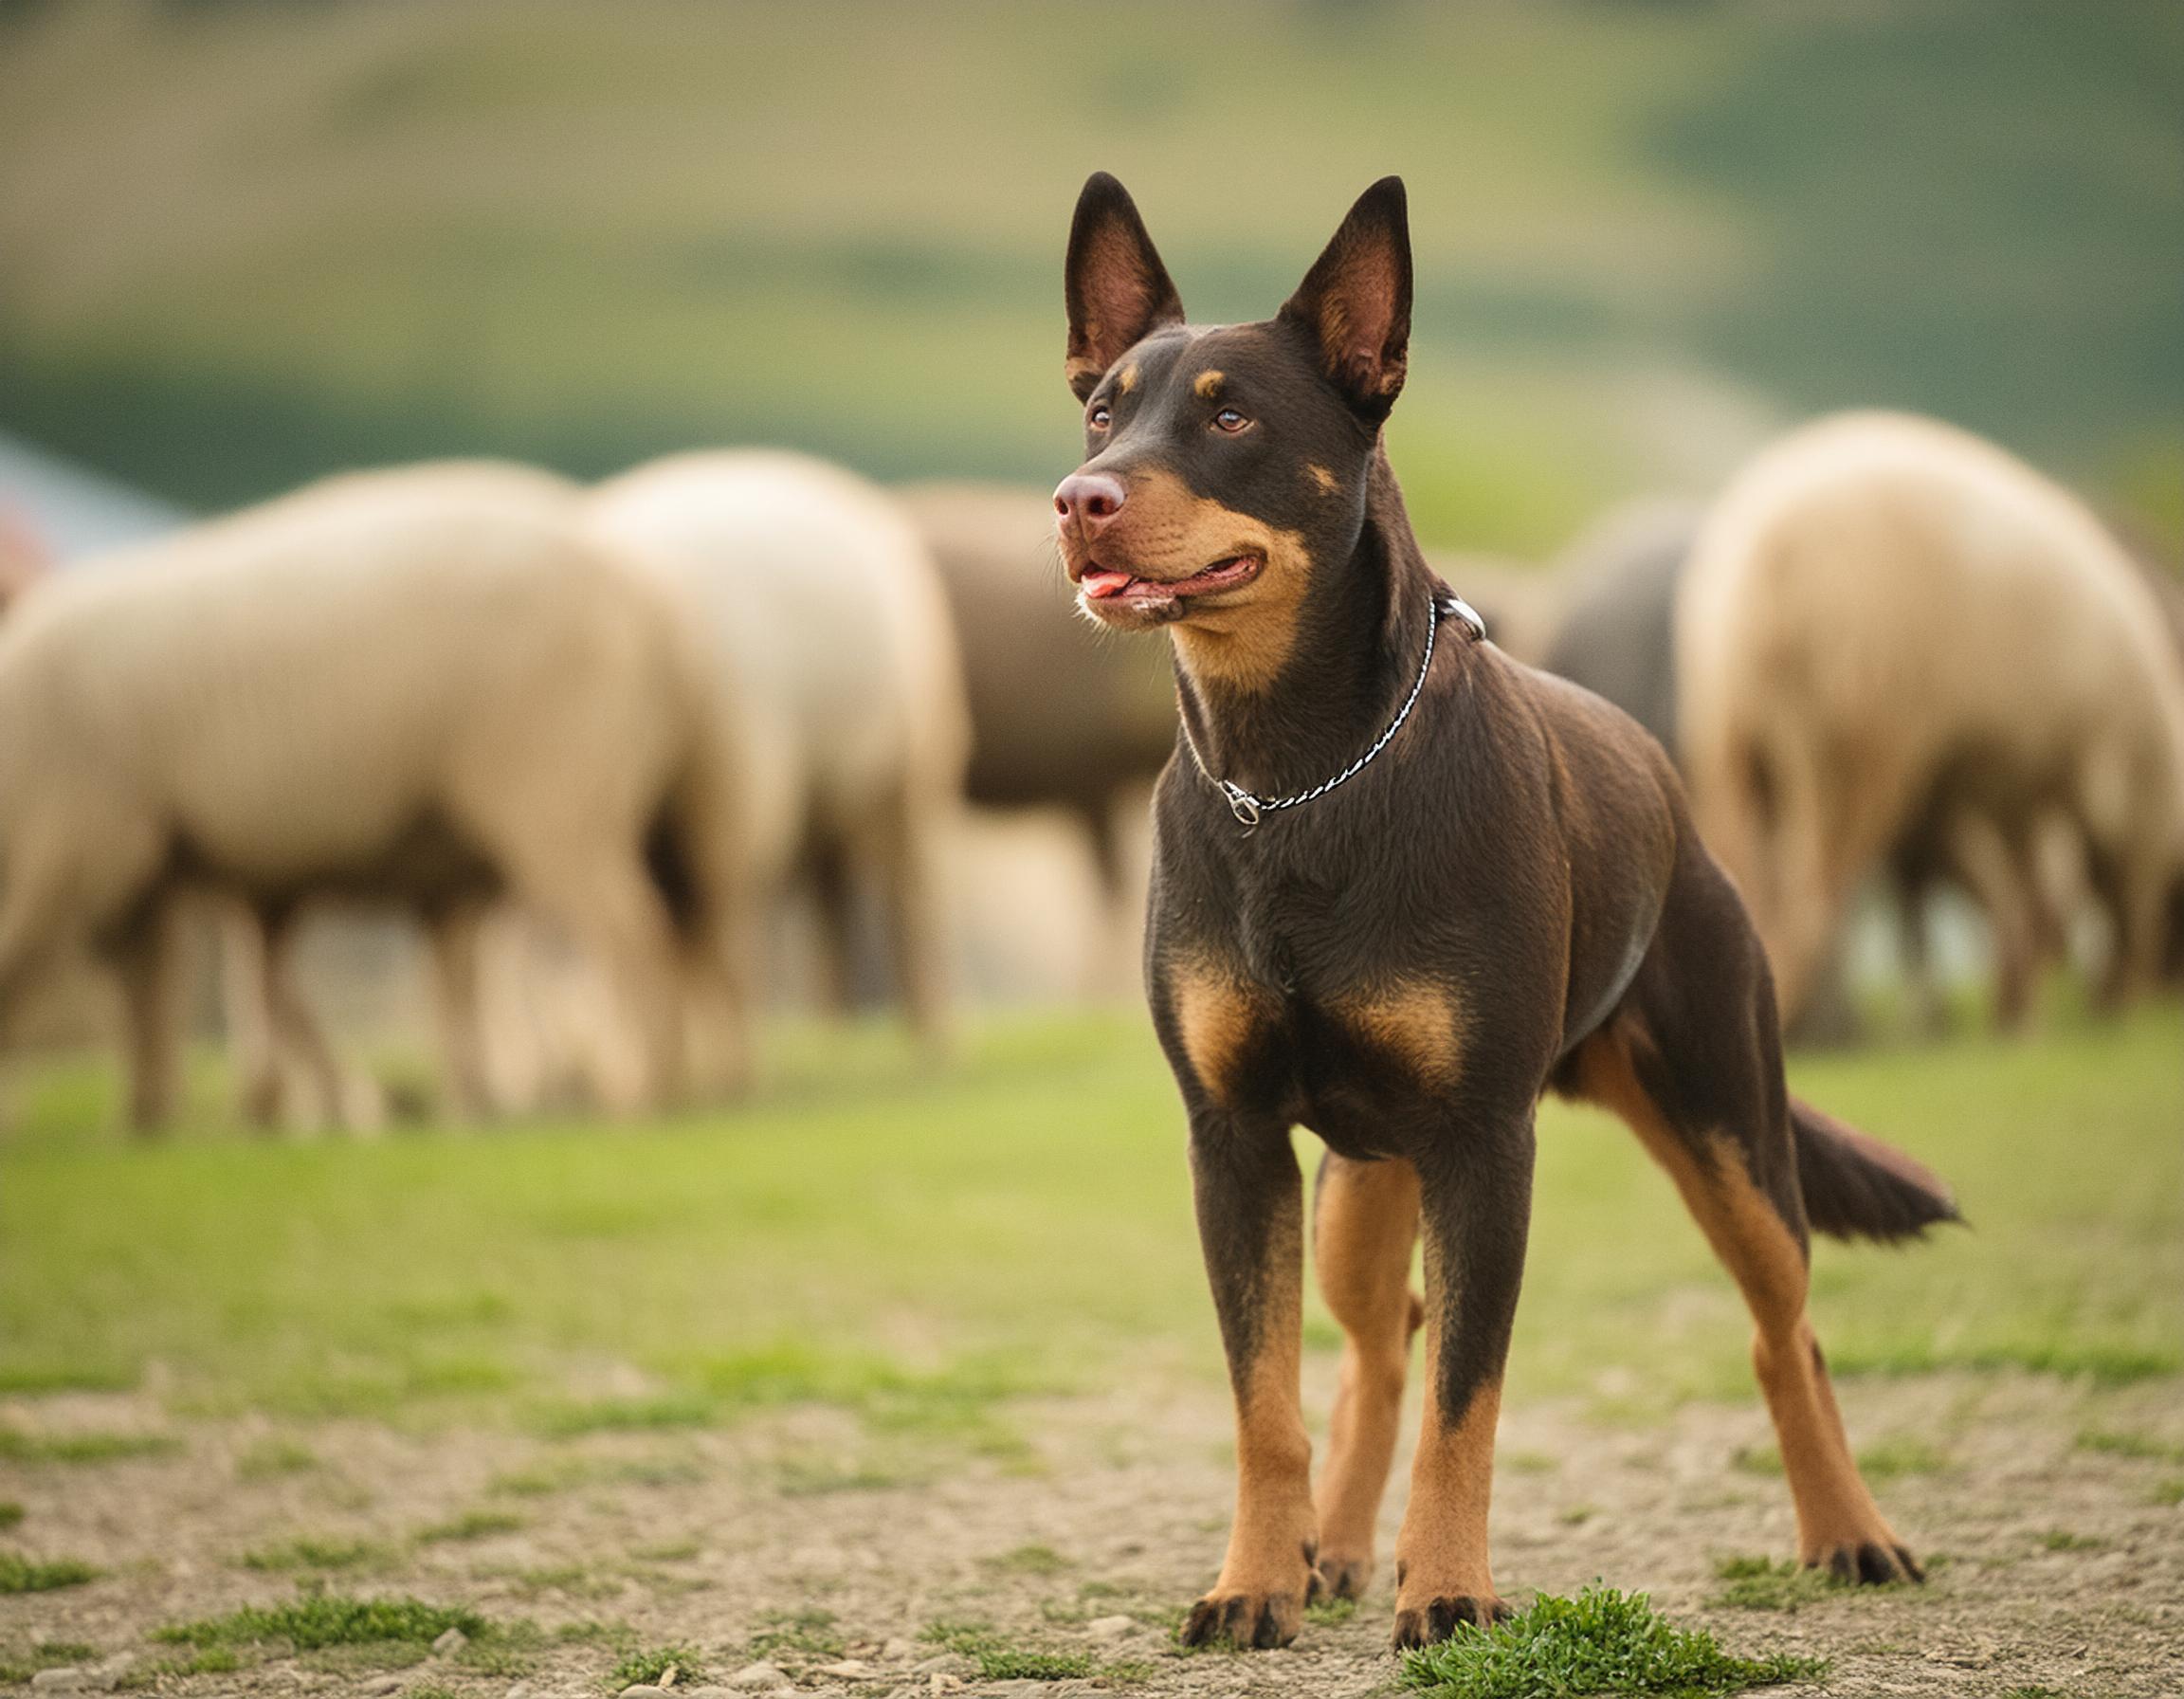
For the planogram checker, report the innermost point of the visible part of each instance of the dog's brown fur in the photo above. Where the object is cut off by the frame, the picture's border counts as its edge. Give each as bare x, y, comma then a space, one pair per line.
1512, 896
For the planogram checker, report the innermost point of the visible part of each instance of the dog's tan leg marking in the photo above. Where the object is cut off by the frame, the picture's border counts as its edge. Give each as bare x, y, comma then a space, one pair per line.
1441, 1561
1838, 1524
1364, 1222
1217, 1014
1418, 1024
1268, 1577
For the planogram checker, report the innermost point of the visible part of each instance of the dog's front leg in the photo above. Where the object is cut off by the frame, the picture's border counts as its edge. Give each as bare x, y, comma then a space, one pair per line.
1250, 1225
1476, 1209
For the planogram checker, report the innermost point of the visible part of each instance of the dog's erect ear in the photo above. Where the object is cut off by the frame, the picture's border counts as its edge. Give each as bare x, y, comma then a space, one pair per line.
1356, 300
1117, 288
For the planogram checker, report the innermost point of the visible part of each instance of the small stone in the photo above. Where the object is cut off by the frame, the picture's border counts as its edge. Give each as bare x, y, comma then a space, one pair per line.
645, 1689
759, 1677
67, 1679
945, 1663
522, 1690
945, 1683
898, 1649
850, 1668
382, 1684
1110, 1628
449, 1643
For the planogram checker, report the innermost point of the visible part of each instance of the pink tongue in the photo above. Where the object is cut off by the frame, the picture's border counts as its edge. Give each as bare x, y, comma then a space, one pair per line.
1102, 582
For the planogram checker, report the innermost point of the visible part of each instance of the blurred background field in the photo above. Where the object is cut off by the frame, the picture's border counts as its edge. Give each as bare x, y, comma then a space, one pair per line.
243, 243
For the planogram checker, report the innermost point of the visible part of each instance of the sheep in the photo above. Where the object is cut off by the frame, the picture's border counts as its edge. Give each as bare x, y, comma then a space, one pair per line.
834, 662
1879, 604
417, 684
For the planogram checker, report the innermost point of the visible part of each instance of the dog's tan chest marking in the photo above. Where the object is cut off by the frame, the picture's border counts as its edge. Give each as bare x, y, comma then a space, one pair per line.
1217, 1015
1418, 1024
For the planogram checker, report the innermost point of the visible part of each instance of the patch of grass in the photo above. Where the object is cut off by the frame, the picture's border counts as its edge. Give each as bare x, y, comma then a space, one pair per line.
571, 1419
811, 1629
1030, 1559
1572, 1516
17, 1446
210, 1660
812, 1478
310, 1552
2105, 1365
274, 1457
1329, 1613
1001, 1659
36, 1380
2117, 1443
687, 1663
1531, 1463
1901, 1455
590, 1631
471, 1525
49, 1653
432, 1690
10, 1513
18, 1574
2168, 1493
1763, 1585
668, 1551
326, 1619
2063, 1539
1757, 1459
1602, 1641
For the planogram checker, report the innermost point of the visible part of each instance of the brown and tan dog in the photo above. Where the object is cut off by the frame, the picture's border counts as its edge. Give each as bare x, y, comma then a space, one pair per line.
1506, 895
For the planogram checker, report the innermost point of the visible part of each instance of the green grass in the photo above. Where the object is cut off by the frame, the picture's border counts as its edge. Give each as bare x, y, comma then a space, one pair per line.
321, 1621
2115, 1443
649, 1667
1602, 1641
19, 1447
1754, 1583
811, 1631
427, 1277
471, 1525
274, 1457
1000, 1658
10, 1514
2063, 1539
18, 1574
310, 1552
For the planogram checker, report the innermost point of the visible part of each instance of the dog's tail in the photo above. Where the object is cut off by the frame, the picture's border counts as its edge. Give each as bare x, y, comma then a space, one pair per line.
1857, 1187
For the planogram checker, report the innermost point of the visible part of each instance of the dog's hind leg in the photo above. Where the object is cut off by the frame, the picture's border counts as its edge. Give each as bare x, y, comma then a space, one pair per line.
1693, 1065
1364, 1223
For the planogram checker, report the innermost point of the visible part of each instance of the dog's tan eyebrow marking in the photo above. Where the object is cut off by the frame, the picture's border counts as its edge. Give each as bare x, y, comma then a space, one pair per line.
1207, 384
1127, 380
1327, 482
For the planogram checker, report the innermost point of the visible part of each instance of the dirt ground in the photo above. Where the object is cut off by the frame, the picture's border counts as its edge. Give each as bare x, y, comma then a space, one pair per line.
2056, 1567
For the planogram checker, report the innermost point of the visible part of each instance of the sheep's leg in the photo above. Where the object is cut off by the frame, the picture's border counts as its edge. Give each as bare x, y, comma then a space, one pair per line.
152, 1013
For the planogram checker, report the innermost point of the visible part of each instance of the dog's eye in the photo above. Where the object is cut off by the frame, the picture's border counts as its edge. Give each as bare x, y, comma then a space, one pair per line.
1099, 418
1229, 419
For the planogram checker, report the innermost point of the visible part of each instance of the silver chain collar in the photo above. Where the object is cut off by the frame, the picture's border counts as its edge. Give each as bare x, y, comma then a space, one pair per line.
1248, 806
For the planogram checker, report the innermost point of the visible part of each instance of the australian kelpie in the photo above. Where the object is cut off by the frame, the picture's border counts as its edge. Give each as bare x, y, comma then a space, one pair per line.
1401, 886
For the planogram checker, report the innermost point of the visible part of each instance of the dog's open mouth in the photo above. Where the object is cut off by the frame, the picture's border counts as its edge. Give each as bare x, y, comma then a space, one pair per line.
1107, 584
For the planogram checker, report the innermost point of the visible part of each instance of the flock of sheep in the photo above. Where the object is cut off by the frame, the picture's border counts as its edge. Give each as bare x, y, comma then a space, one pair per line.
635, 714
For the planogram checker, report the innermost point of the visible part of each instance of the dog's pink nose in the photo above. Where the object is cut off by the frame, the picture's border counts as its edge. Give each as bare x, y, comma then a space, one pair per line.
1088, 499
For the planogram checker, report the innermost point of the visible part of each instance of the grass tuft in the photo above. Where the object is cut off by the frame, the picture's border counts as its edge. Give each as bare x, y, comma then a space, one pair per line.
2117, 1444
325, 1619
308, 1552
649, 1667
471, 1525
2063, 1539
19, 1447
18, 1574
1762, 1584
272, 1457
1030, 1559
1602, 1641
10, 1513
572, 1418
811, 1629
1001, 1659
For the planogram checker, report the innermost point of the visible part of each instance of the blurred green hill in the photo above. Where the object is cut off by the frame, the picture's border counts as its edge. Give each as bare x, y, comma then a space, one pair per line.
243, 243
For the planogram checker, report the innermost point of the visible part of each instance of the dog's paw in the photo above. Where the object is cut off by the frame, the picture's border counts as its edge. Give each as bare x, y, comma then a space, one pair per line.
1435, 1620
1867, 1562
1343, 1577
1249, 1621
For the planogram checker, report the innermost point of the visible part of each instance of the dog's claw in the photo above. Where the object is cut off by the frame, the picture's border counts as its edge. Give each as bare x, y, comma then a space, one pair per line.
1870, 1563
1440, 1618
1249, 1621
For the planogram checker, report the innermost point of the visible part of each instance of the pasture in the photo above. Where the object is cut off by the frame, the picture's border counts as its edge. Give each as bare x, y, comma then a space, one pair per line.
897, 1374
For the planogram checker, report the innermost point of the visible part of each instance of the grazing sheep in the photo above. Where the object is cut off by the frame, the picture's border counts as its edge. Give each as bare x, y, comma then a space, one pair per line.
420, 686
1879, 605
834, 663
1618, 633
1035, 679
